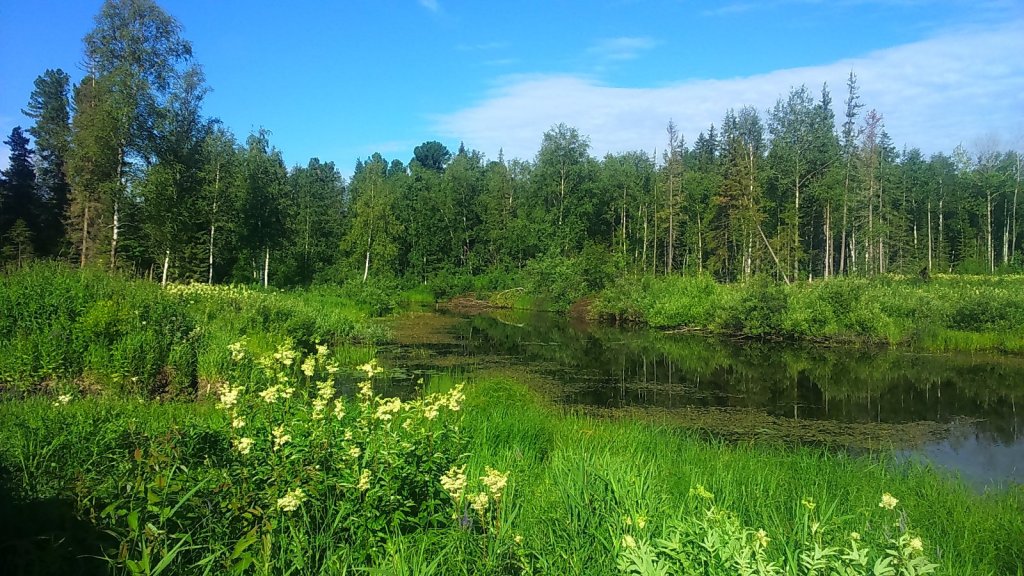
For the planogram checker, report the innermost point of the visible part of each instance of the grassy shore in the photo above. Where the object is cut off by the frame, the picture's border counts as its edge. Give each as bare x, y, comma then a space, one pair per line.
583, 495
943, 314
252, 463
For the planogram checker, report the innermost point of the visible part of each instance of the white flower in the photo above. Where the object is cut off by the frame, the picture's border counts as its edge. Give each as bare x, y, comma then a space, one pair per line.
318, 409
339, 410
354, 452
495, 481
388, 408
628, 541
366, 389
888, 502
430, 411
916, 544
62, 400
454, 481
371, 368
292, 500
243, 445
455, 398
479, 502
238, 422
229, 397
270, 394
280, 438
309, 366
364, 481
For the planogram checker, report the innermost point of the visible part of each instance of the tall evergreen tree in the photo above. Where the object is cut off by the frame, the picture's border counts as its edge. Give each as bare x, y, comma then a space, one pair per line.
49, 106
20, 204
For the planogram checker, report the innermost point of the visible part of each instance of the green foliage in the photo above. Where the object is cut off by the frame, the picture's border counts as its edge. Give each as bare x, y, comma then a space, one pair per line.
949, 312
93, 329
60, 325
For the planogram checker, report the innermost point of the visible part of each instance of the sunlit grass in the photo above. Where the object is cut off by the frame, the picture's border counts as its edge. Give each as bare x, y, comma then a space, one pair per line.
945, 313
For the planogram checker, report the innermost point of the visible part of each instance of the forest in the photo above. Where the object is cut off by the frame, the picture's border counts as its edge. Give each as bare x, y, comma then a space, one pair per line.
124, 171
214, 363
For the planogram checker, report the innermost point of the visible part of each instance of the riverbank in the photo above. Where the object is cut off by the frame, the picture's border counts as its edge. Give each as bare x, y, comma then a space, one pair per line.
574, 494
254, 463
946, 313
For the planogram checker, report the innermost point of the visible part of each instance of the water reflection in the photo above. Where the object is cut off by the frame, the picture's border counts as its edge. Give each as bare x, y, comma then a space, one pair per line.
976, 395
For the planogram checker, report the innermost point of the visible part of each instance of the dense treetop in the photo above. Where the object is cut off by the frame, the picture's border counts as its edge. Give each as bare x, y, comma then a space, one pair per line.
125, 171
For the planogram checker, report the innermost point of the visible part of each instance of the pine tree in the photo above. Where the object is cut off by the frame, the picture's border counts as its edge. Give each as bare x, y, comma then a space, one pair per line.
19, 201
49, 106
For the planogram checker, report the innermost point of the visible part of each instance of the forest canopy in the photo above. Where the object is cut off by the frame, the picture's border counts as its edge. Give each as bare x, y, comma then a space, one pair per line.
124, 170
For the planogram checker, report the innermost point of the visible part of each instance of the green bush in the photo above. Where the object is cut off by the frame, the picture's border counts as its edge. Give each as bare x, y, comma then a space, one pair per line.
59, 324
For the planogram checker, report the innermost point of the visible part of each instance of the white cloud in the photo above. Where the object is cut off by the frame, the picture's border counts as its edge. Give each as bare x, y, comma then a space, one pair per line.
621, 48
431, 5
934, 94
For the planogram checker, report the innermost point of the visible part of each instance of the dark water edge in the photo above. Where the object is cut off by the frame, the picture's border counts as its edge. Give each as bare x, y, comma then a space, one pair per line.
957, 412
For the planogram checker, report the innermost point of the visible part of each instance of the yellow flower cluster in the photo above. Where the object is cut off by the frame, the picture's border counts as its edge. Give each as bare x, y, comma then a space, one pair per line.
229, 397
371, 368
454, 482
237, 350
701, 492
364, 481
761, 538
388, 408
292, 500
495, 482
285, 355
888, 502
243, 445
324, 394
309, 366
280, 438
479, 502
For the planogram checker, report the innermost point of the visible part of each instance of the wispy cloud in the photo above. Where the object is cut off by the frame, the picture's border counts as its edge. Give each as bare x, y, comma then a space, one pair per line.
621, 48
481, 47
501, 62
934, 94
431, 5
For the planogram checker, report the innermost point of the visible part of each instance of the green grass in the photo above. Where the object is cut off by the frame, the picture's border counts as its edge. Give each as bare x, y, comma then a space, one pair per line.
945, 314
574, 480
577, 477
119, 476
68, 329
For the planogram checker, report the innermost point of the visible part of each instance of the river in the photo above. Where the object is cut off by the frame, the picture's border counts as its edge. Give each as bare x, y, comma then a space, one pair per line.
957, 411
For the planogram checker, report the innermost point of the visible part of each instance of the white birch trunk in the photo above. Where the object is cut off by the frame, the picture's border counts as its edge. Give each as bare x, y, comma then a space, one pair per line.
266, 268
167, 261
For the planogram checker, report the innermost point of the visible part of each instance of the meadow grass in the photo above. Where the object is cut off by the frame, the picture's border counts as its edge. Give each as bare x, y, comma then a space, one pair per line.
578, 477
63, 329
585, 495
267, 470
944, 314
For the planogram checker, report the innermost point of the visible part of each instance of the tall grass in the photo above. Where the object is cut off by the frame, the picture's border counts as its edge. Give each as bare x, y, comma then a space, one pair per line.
583, 482
946, 313
273, 472
66, 329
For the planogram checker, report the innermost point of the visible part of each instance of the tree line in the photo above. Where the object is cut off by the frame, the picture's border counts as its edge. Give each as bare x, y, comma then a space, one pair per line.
124, 171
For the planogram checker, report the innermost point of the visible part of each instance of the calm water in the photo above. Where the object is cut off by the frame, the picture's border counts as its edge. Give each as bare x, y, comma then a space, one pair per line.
957, 411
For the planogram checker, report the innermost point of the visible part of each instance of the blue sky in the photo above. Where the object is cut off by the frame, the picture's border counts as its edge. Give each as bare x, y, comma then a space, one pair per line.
341, 80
